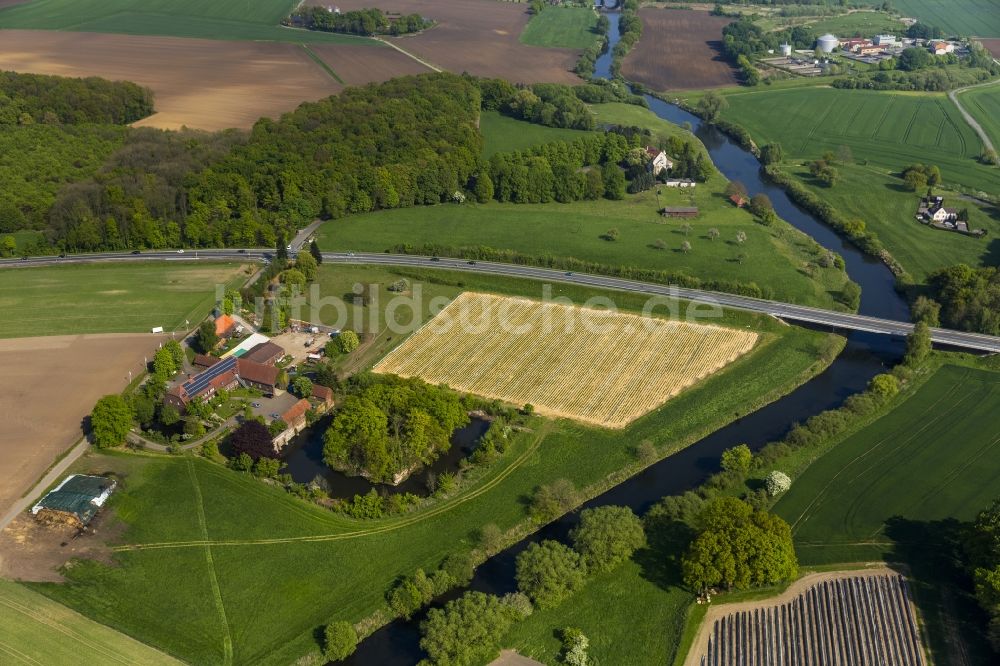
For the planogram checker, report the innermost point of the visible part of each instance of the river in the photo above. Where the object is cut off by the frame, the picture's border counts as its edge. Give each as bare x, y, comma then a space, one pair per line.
864, 356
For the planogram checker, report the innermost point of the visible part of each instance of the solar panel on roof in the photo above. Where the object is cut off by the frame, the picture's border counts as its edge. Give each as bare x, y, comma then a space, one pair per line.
200, 383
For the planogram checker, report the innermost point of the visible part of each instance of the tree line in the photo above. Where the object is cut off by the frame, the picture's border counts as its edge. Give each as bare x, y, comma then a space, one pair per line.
37, 98
358, 22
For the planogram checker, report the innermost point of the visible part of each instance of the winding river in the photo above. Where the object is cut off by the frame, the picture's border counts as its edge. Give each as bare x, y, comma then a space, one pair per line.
864, 356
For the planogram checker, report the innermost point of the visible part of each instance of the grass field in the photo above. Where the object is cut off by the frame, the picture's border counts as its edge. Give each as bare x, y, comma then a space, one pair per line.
503, 133
268, 597
36, 630
603, 609
601, 368
221, 19
562, 27
897, 489
979, 18
888, 130
888, 209
984, 105
863, 24
109, 298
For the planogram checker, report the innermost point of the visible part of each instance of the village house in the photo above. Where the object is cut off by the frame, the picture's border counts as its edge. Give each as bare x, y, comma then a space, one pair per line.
324, 396
658, 160
933, 212
223, 375
295, 421
225, 326
941, 48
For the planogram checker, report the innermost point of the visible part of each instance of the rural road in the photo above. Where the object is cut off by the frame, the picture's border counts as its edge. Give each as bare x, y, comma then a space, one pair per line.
973, 123
797, 313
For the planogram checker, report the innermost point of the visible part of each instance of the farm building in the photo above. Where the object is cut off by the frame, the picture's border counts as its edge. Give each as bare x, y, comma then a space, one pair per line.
266, 353
941, 48
885, 40
295, 418
323, 394
246, 345
679, 211
225, 326
680, 182
227, 374
785, 49
75, 501
204, 361
658, 160
738, 200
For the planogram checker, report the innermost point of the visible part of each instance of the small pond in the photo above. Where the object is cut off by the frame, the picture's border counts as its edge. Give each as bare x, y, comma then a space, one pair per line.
304, 461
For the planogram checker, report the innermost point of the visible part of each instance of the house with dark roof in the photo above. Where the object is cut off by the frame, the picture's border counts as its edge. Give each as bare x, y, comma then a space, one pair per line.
256, 375
323, 394
204, 361
266, 353
226, 374
679, 211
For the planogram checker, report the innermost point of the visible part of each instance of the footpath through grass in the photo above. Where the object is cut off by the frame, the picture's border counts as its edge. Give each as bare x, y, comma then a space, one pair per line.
284, 567
109, 298
898, 489
220, 19
36, 630
562, 27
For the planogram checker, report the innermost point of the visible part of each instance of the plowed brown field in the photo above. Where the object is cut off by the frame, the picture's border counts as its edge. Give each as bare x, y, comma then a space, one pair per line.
993, 45
679, 50
358, 65
204, 84
476, 36
49, 385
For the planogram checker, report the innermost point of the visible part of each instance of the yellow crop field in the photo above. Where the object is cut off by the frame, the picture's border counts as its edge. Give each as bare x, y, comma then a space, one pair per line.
601, 367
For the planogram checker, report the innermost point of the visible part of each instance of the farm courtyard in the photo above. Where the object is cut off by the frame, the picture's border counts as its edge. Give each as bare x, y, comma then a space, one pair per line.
599, 367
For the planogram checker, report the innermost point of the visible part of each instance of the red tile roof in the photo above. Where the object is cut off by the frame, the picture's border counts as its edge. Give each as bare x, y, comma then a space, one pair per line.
324, 393
224, 324
257, 373
295, 412
266, 352
205, 361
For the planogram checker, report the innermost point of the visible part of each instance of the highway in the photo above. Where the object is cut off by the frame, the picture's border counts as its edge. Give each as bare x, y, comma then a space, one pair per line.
786, 311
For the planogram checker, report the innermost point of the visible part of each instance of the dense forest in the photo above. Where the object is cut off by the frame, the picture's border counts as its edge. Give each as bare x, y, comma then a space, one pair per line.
35, 98
358, 22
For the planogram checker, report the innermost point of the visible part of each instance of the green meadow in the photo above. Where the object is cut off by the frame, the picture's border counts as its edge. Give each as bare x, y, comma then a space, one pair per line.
215, 567
109, 298
220, 19
504, 134
889, 130
562, 27
864, 24
984, 105
980, 18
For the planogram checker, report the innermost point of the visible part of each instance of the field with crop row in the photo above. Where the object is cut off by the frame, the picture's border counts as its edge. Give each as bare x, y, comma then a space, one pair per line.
855, 621
889, 130
980, 18
602, 368
984, 105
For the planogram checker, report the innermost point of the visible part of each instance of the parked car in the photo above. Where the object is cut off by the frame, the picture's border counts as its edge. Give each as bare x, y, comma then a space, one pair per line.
257, 405
275, 415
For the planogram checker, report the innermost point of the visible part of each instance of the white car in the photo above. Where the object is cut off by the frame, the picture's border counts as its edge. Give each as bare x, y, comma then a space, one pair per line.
180, 251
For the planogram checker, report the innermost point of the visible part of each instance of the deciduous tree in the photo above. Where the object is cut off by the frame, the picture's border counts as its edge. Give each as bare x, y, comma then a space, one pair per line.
607, 536
110, 421
549, 572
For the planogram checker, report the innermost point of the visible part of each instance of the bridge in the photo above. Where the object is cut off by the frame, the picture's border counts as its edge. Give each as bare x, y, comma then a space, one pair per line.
786, 311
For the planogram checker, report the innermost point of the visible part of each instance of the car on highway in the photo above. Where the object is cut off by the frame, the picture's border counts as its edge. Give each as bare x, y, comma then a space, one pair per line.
136, 252
569, 273
241, 251
472, 263
180, 251
435, 259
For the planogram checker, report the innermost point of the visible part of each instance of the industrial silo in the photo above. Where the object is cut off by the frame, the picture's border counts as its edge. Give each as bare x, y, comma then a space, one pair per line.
827, 43
786, 49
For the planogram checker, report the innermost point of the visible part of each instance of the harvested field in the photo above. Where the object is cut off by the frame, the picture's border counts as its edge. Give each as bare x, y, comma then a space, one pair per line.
200, 83
602, 368
993, 45
360, 65
50, 386
679, 50
838, 619
481, 37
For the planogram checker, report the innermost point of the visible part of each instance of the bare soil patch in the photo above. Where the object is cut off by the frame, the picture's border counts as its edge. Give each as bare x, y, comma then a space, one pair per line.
204, 84
679, 50
358, 65
993, 45
34, 552
50, 384
480, 37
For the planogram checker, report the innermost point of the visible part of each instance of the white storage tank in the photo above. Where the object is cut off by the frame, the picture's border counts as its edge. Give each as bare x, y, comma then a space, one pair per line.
786, 49
827, 43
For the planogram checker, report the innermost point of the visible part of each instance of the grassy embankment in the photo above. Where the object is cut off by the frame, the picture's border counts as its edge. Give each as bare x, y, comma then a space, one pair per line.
222, 19
195, 599
503, 133
109, 298
562, 27
885, 132
778, 257
865, 24
37, 630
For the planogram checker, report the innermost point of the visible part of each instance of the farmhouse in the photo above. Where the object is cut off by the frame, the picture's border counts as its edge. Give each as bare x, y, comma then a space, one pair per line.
658, 160
75, 501
933, 212
226, 374
679, 211
941, 48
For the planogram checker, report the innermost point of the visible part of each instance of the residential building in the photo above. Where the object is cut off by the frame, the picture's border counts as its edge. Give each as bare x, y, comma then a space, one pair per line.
224, 326
226, 375
658, 160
